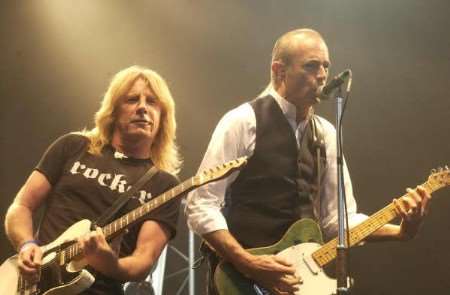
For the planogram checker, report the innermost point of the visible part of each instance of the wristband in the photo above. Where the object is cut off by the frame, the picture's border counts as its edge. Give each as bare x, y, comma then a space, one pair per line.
28, 242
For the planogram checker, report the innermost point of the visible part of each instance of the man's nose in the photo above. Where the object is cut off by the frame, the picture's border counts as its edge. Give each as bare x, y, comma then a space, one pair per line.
322, 74
142, 104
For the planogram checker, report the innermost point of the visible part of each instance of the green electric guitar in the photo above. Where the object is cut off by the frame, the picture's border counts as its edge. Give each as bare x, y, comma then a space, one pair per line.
302, 246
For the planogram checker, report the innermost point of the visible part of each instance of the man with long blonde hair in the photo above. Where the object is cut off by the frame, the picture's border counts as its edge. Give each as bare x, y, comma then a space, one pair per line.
81, 174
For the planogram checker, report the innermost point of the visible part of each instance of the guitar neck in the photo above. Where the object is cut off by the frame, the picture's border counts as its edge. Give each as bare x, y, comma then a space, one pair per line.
127, 220
327, 252
130, 218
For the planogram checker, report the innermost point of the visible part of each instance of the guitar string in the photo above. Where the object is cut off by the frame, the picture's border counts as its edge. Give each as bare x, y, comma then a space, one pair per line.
328, 251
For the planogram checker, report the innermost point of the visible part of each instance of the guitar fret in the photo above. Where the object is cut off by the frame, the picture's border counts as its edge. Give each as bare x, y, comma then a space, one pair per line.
61, 257
66, 253
70, 253
20, 284
430, 187
138, 213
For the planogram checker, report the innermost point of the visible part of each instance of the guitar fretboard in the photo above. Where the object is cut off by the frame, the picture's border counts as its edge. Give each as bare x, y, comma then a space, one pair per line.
327, 252
130, 218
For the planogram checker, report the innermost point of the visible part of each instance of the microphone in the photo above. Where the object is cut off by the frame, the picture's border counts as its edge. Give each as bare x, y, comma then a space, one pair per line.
334, 83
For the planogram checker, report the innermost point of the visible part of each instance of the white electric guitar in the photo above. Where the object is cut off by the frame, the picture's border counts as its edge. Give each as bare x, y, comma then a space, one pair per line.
62, 270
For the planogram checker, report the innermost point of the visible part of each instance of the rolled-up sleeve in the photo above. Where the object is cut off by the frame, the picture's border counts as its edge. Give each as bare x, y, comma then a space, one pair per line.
233, 137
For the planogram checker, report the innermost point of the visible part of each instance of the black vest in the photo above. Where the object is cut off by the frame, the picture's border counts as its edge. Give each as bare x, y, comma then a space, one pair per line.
277, 185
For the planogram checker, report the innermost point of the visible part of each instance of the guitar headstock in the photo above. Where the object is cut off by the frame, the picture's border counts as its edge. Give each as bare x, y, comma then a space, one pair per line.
439, 177
219, 172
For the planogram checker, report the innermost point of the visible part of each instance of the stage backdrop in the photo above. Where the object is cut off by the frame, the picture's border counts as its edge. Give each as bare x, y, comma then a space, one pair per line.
57, 58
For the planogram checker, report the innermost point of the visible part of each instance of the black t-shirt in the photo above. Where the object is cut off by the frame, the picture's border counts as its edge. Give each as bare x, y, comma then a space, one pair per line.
84, 186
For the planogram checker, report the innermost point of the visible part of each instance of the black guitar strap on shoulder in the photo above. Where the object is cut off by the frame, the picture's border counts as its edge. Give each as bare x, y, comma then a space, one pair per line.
123, 199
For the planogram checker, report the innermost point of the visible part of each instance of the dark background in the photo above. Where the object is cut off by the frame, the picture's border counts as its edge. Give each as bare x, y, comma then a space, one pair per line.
57, 58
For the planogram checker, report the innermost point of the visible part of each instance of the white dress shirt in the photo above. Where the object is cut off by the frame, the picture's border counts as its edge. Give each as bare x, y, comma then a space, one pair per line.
235, 137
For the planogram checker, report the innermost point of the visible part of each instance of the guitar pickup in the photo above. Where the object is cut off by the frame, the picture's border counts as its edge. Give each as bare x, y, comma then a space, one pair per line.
311, 264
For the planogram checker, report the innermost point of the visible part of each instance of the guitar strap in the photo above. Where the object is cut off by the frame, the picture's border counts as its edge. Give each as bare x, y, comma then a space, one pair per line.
312, 141
123, 199
321, 157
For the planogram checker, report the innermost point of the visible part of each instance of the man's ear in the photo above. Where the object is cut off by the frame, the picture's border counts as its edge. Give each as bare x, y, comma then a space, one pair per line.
279, 70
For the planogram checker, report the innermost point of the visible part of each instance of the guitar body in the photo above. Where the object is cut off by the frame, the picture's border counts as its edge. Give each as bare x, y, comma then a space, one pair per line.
57, 277
298, 243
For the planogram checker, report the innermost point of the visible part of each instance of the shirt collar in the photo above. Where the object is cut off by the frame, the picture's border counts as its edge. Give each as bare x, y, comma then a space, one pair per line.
288, 109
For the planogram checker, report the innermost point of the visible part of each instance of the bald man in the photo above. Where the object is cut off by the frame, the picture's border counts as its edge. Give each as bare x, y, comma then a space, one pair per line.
291, 173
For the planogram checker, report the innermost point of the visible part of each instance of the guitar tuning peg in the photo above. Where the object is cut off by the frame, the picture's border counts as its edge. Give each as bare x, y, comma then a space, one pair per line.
440, 169
446, 167
433, 171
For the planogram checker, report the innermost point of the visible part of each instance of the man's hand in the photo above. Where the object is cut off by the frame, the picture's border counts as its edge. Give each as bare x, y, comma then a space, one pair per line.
412, 209
273, 273
29, 261
97, 251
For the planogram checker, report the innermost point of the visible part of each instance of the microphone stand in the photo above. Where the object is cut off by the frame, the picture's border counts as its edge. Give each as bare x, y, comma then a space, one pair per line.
342, 247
